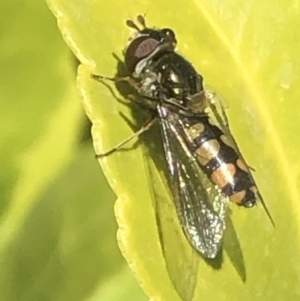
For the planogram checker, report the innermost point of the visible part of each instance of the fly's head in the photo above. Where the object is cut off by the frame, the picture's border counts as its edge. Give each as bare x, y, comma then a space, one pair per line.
147, 43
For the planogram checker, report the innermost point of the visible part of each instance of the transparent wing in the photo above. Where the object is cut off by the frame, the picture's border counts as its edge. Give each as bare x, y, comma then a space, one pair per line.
181, 260
217, 104
200, 206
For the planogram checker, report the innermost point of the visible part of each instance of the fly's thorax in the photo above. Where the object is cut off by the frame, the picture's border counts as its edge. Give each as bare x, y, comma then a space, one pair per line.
179, 78
171, 79
221, 162
145, 45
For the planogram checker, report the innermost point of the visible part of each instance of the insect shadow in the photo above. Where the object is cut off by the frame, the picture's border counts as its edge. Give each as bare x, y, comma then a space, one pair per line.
153, 140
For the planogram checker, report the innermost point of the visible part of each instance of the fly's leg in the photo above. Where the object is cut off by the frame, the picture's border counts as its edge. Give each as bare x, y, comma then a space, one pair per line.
145, 127
132, 82
141, 99
132, 97
127, 79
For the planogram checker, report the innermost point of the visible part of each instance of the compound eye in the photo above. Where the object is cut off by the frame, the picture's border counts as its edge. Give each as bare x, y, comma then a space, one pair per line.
169, 35
139, 49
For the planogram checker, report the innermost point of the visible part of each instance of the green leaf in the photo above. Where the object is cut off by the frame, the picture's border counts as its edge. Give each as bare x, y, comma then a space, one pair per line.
248, 52
35, 101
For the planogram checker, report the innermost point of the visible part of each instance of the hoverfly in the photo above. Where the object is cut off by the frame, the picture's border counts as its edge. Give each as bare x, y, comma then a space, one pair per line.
205, 167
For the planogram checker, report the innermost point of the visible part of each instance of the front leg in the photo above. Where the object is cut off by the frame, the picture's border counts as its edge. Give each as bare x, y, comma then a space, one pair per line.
131, 81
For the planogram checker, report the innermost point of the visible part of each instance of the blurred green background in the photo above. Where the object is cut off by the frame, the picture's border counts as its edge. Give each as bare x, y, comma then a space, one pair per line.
57, 234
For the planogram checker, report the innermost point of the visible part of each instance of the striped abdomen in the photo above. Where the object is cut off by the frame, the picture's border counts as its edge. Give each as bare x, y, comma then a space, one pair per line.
220, 160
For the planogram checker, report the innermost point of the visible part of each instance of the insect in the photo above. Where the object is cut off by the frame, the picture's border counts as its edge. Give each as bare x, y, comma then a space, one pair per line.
205, 167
